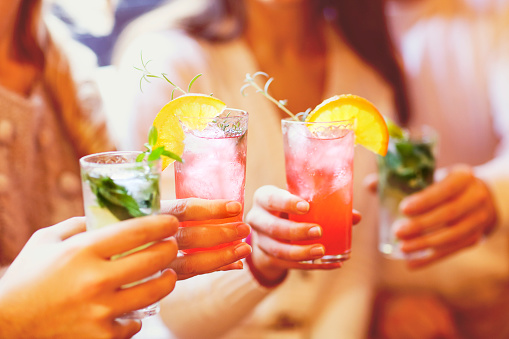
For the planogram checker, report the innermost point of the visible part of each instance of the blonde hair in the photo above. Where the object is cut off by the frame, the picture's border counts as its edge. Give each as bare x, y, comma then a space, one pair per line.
77, 104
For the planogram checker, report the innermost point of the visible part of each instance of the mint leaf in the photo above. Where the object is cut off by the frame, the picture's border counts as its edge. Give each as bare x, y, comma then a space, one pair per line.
114, 197
152, 136
155, 153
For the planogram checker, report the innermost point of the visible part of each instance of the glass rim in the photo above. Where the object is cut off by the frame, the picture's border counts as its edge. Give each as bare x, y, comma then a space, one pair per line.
291, 120
85, 161
422, 133
243, 114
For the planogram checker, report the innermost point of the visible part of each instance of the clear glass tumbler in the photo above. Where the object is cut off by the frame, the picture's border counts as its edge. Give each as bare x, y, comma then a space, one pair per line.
407, 168
116, 187
319, 169
214, 161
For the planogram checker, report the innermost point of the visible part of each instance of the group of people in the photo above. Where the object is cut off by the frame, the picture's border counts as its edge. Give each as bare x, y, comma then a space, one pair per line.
421, 62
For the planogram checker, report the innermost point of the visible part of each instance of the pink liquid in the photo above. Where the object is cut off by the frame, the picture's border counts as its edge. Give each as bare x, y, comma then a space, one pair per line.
321, 172
212, 168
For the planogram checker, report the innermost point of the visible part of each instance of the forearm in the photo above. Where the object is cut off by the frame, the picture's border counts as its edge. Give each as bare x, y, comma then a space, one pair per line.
208, 306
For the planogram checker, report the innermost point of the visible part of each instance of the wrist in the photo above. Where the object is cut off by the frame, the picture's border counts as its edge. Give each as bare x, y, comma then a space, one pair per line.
270, 278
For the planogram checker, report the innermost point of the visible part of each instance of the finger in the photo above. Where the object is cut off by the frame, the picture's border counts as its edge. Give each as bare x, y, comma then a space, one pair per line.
371, 182
444, 214
126, 328
290, 252
143, 263
285, 264
132, 233
203, 262
144, 294
356, 217
62, 230
201, 209
238, 265
448, 236
279, 228
211, 235
443, 252
276, 199
437, 193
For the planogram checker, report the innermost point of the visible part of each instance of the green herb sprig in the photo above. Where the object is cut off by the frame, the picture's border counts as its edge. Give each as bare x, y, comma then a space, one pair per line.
153, 153
146, 74
114, 197
250, 81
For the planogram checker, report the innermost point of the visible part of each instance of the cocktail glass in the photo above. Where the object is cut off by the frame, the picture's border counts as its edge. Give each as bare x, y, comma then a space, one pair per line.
319, 169
214, 161
407, 168
116, 187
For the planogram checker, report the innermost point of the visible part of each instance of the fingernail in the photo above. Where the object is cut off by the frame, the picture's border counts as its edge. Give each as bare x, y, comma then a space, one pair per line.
400, 227
243, 230
233, 207
302, 206
242, 250
315, 232
317, 251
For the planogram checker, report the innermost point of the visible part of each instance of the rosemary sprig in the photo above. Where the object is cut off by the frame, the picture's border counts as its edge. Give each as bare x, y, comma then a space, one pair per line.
146, 74
250, 82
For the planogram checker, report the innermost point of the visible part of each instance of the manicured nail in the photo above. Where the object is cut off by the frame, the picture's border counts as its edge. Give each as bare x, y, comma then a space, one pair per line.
315, 232
242, 250
233, 207
400, 227
243, 230
302, 206
317, 251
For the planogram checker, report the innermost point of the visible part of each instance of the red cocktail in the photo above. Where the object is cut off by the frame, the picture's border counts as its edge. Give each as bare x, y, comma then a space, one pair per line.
214, 161
319, 169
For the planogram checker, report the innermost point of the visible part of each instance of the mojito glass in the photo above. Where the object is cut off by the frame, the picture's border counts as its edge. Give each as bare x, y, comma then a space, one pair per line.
319, 169
407, 168
214, 161
116, 187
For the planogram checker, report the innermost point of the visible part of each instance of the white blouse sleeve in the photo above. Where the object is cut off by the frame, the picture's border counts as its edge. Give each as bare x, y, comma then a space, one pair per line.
496, 172
208, 306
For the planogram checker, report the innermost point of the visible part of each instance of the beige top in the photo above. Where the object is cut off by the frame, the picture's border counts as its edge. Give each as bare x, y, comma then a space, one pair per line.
39, 178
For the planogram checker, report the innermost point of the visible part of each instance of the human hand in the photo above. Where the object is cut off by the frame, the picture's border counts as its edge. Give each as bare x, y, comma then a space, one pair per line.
450, 215
64, 285
272, 254
208, 235
415, 316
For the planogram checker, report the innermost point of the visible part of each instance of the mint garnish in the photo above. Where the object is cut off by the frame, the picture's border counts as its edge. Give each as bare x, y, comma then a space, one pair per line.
155, 153
114, 197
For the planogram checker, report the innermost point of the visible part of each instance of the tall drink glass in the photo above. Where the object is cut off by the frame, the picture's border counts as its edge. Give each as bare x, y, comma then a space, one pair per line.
319, 169
214, 161
407, 168
116, 188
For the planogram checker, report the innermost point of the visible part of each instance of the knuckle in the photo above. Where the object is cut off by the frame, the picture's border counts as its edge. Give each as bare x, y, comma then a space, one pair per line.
184, 267
184, 237
180, 207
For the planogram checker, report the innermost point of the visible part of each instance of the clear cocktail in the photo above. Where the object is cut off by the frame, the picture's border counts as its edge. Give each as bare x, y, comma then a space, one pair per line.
407, 168
116, 187
214, 160
319, 169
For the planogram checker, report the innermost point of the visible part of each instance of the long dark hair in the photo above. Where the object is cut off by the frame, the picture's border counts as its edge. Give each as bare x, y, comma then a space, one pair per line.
361, 22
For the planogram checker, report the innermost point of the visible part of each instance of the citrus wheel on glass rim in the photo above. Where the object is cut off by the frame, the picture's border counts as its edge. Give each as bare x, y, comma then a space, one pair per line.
370, 128
188, 107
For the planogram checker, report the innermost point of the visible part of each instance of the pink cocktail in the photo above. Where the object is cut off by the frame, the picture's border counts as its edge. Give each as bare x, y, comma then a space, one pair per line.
319, 169
214, 160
